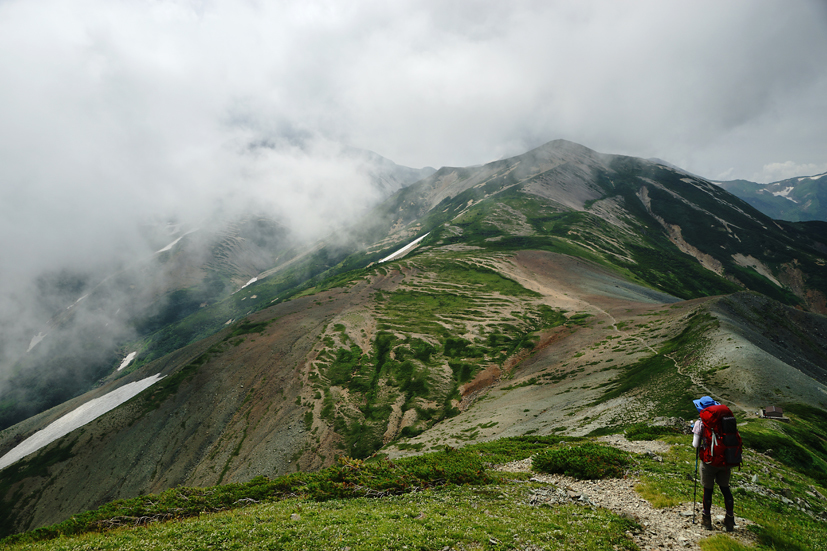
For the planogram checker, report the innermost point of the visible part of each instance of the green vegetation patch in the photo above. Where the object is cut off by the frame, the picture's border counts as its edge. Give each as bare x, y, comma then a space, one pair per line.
505, 450
246, 327
721, 542
676, 273
404, 365
654, 492
644, 431
417, 352
800, 444
478, 278
584, 461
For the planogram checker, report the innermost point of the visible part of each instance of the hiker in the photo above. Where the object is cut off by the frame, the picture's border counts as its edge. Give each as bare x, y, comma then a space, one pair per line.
718, 445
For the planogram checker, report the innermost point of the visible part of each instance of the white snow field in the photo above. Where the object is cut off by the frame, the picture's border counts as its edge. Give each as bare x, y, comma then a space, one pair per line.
404, 249
78, 417
128, 360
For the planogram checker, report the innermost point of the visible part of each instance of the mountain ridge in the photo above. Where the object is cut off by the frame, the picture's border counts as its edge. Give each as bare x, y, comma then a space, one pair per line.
564, 282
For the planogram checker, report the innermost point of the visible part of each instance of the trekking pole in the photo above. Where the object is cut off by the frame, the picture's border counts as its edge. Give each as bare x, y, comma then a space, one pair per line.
695, 492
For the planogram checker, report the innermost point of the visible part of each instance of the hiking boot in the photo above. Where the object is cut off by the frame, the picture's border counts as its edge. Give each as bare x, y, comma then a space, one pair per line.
729, 523
706, 521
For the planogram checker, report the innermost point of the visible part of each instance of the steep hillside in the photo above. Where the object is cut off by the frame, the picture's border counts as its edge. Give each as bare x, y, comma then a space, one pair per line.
559, 292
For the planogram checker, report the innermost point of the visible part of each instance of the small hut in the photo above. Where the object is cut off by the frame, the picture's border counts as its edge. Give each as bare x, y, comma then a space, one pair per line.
774, 412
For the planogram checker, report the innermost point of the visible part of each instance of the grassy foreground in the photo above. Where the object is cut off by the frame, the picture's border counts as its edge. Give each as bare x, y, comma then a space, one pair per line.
496, 517
451, 499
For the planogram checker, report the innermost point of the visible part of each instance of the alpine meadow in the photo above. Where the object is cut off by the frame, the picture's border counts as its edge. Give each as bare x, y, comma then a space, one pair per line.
500, 356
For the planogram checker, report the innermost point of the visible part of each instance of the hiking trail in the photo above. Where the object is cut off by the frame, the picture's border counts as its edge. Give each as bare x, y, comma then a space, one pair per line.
662, 528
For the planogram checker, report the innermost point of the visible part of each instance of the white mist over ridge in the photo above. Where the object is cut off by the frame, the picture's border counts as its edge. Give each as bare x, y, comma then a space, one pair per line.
75, 419
308, 189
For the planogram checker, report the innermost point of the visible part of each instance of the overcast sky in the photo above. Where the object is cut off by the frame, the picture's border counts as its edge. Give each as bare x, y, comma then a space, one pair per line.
118, 109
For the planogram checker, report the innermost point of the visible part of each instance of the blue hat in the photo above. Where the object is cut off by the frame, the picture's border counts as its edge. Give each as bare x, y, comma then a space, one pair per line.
704, 402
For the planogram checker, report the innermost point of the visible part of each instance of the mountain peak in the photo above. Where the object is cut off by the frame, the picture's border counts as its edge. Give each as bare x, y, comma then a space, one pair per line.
563, 146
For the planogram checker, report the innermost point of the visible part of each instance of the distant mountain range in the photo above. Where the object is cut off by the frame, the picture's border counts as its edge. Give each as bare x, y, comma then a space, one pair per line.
562, 291
794, 199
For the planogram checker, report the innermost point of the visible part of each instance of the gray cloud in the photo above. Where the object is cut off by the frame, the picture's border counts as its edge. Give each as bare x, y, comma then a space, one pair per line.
113, 113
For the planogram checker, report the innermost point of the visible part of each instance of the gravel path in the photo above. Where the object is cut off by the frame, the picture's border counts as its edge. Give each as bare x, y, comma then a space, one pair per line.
663, 528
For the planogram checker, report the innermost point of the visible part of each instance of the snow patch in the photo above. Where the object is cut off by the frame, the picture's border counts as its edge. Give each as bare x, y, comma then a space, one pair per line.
35, 340
128, 360
816, 177
171, 245
249, 282
75, 419
77, 301
783, 193
404, 249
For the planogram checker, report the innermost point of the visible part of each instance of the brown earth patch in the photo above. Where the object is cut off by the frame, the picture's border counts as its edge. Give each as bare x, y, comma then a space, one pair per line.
485, 378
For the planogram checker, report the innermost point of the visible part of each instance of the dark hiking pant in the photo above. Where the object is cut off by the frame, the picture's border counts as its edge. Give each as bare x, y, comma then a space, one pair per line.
709, 476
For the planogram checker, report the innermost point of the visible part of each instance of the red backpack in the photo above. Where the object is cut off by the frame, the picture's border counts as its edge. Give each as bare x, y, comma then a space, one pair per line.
721, 446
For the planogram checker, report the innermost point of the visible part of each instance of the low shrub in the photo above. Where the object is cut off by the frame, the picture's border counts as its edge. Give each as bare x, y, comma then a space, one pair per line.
720, 542
584, 461
515, 448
